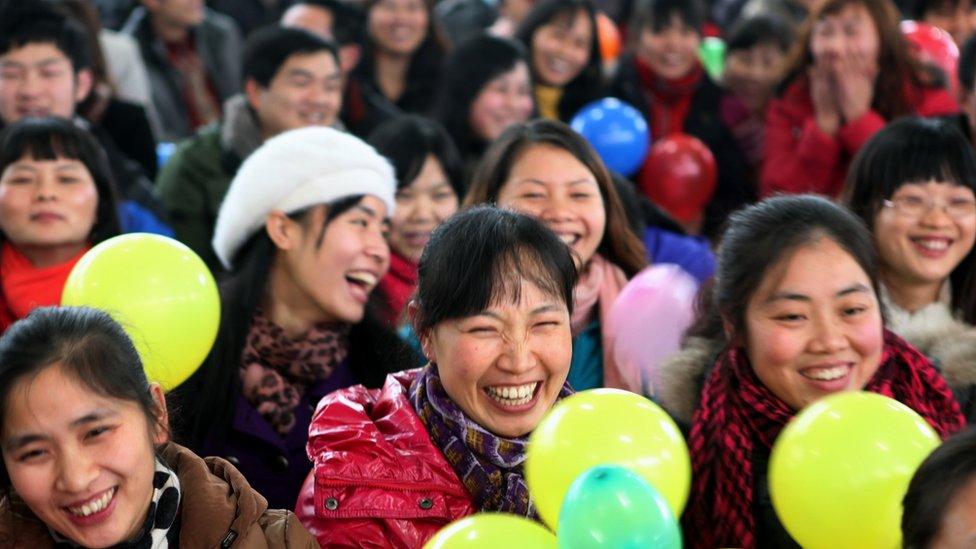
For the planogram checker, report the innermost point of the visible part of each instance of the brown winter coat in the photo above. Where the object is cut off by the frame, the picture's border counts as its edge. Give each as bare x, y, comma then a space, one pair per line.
218, 509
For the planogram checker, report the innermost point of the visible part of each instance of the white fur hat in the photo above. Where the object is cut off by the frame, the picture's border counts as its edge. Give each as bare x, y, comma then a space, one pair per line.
293, 171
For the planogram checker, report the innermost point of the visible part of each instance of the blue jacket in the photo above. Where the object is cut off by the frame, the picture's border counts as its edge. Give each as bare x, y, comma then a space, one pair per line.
692, 254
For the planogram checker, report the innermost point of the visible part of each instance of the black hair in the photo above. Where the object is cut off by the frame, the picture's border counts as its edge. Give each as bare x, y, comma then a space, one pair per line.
468, 69
347, 19
52, 138
760, 29
269, 48
207, 400
655, 15
934, 486
909, 150
588, 84
620, 245
87, 345
967, 64
36, 22
481, 256
407, 140
762, 236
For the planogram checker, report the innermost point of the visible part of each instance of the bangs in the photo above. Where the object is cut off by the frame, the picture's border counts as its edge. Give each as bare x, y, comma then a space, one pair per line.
42, 139
522, 264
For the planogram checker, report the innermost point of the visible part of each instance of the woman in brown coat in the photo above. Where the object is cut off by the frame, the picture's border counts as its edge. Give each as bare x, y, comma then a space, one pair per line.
86, 457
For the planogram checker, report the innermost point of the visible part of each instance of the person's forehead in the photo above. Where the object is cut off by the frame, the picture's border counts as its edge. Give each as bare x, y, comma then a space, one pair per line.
34, 53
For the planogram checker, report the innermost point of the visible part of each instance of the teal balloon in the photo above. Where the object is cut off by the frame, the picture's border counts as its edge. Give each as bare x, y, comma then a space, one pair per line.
712, 55
611, 506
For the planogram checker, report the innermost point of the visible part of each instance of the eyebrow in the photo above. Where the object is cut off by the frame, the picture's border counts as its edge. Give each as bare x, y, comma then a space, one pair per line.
794, 296
541, 182
548, 308
23, 440
42, 63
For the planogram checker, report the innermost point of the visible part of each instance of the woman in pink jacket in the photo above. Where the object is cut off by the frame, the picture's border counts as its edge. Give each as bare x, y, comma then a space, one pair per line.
851, 76
492, 310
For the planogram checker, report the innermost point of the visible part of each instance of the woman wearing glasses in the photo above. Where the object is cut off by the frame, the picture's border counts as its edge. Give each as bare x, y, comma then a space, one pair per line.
913, 185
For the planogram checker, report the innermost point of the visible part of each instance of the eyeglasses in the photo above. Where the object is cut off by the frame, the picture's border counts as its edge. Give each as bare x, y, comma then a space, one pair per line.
916, 206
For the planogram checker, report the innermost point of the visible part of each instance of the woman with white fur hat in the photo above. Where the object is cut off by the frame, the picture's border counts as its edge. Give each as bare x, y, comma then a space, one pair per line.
302, 231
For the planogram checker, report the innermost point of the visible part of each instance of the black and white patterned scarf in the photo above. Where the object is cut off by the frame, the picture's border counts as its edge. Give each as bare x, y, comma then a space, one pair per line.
158, 531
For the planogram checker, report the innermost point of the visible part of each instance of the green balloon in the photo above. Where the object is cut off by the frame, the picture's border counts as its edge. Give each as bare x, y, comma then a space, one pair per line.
712, 55
613, 507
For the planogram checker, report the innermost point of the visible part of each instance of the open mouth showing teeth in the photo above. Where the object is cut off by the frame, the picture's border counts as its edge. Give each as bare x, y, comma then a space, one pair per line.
933, 244
826, 374
95, 505
513, 395
569, 239
362, 279
314, 117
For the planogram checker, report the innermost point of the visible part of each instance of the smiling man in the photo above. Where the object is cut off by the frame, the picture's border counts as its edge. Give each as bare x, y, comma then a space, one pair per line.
291, 80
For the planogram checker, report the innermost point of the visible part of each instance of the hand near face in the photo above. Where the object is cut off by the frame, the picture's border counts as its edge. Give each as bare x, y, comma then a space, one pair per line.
855, 74
822, 92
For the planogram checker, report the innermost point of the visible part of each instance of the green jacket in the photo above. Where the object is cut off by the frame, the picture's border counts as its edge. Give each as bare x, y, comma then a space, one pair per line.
194, 181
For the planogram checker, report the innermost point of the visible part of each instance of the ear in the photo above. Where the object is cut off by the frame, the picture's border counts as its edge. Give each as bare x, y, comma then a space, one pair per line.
83, 84
424, 337
282, 230
161, 434
253, 91
349, 56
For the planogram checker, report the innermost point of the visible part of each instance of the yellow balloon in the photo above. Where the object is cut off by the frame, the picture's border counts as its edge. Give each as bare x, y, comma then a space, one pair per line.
160, 291
492, 531
605, 427
839, 470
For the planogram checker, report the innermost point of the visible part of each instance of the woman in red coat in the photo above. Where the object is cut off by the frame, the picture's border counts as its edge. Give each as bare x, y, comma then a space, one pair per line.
852, 75
492, 310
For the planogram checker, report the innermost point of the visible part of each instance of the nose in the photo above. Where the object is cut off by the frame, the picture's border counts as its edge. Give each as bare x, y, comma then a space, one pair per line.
377, 248
556, 210
519, 356
46, 189
829, 336
30, 84
76, 472
936, 215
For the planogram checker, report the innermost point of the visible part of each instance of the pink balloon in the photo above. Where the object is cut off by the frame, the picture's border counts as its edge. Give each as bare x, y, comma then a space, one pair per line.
649, 318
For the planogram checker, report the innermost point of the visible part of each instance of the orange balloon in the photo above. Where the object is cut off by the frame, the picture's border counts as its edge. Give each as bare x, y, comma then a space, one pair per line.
608, 36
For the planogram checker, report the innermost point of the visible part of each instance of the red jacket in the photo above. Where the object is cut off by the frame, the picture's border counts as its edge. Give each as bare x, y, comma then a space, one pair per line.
378, 479
799, 157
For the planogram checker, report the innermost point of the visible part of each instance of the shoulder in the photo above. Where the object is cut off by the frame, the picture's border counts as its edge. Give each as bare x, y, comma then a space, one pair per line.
682, 377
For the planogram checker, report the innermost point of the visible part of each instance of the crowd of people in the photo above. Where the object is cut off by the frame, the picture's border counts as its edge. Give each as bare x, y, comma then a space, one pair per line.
418, 256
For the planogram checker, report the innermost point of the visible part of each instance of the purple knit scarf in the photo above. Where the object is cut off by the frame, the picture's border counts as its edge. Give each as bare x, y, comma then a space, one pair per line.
489, 466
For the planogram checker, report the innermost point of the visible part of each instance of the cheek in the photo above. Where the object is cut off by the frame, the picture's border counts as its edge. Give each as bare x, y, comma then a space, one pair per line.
596, 220
445, 209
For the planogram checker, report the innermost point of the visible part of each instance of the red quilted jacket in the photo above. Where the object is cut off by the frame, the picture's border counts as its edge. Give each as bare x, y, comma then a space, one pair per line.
378, 479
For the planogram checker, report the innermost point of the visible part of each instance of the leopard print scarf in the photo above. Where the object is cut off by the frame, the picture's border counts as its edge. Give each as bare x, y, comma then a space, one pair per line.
276, 369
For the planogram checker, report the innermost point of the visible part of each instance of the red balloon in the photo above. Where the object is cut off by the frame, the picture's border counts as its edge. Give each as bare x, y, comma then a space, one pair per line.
679, 176
932, 45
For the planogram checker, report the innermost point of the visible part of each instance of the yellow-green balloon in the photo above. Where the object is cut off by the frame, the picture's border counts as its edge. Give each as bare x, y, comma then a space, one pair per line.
160, 291
492, 531
605, 427
839, 470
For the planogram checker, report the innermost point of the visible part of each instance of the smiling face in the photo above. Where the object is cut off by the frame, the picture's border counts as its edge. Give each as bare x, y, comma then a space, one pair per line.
505, 100
398, 27
672, 51
420, 207
850, 30
549, 183
82, 462
813, 327
561, 48
306, 91
505, 366
47, 203
38, 80
924, 250
333, 272
751, 74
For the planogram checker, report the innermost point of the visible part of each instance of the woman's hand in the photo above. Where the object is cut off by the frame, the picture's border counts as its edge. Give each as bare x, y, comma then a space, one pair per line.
855, 75
822, 92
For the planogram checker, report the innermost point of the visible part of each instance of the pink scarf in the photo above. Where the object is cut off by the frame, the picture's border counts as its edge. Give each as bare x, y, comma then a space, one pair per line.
599, 284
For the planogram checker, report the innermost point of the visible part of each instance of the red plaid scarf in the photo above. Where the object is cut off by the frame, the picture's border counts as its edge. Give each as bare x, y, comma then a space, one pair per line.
738, 414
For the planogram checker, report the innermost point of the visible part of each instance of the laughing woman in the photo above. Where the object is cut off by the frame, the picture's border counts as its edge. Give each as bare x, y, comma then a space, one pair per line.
545, 169
87, 460
914, 185
302, 228
492, 309
794, 316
